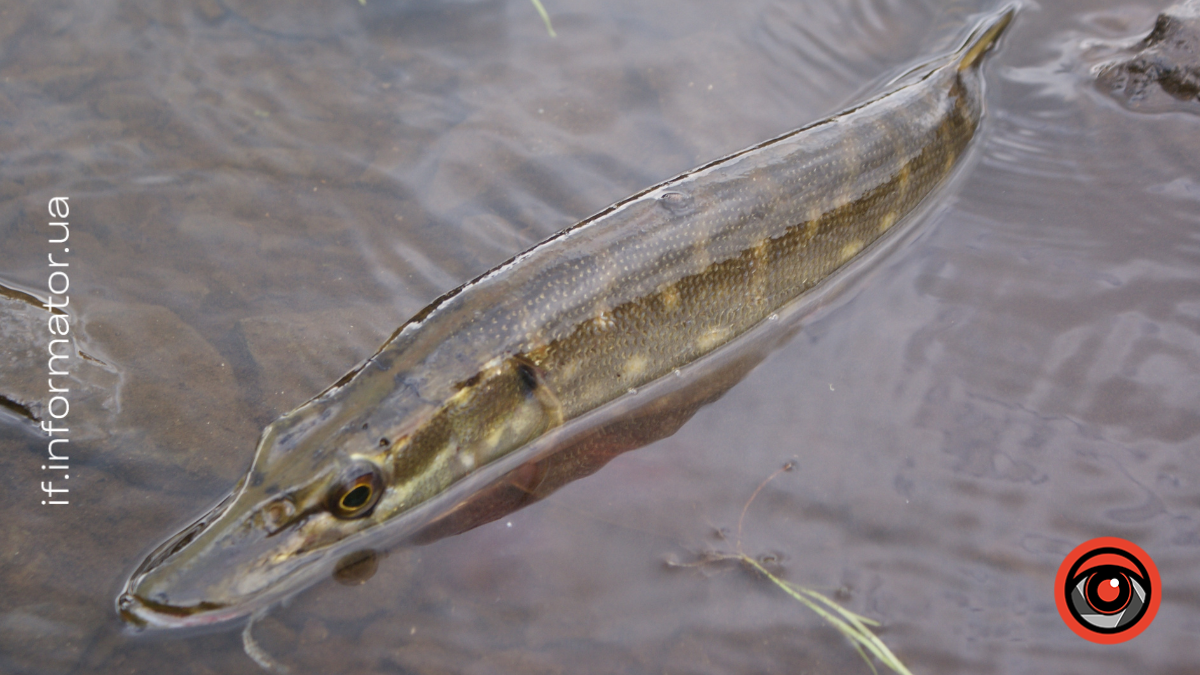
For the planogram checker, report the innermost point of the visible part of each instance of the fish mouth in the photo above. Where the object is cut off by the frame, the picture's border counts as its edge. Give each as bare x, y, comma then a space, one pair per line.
200, 577
164, 599
145, 613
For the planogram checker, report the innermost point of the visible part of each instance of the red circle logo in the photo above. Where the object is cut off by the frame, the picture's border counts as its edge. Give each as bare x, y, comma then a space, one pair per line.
1107, 590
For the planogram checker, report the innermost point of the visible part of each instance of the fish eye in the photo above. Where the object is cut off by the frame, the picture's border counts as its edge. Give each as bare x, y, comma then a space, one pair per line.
356, 492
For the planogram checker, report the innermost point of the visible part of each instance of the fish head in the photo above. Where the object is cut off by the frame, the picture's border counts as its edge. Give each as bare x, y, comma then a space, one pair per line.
322, 477
317, 480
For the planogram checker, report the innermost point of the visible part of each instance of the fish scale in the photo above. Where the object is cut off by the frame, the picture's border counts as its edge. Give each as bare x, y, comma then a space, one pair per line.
646, 286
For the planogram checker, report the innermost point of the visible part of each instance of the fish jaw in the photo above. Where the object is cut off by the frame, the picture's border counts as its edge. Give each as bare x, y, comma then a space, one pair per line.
222, 568
272, 535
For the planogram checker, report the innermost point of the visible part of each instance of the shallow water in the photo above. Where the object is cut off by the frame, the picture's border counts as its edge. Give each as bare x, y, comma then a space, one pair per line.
260, 193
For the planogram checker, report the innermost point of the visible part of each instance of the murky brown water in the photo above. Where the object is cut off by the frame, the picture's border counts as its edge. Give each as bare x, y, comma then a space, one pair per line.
261, 192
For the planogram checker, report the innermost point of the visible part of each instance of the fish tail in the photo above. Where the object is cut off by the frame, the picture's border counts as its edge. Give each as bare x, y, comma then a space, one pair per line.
984, 37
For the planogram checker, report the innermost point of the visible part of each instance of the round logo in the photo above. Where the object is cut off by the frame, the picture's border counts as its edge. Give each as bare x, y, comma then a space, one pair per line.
1107, 590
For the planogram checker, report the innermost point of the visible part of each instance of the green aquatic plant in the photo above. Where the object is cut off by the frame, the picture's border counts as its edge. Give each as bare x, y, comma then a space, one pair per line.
537, 4
855, 627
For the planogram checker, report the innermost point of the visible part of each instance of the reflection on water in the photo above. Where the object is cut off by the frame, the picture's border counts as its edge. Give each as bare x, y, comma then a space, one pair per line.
261, 193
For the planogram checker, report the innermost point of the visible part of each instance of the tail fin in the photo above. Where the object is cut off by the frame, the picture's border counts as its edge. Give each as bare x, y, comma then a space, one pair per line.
984, 37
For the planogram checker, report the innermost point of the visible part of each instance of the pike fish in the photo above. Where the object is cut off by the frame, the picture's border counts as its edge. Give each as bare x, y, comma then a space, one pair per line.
613, 303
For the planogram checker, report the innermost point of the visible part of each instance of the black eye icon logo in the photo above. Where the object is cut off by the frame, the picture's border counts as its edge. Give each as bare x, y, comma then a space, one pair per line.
1107, 590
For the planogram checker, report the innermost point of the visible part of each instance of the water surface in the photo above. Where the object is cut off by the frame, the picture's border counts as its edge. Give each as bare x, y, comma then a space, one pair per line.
261, 193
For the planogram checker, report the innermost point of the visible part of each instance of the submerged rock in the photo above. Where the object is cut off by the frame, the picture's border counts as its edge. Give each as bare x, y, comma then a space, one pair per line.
41, 360
1165, 66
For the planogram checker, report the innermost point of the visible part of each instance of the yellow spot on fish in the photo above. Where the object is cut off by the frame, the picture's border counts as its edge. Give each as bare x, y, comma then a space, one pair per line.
493, 439
635, 366
713, 338
603, 320
851, 249
887, 221
467, 459
460, 396
670, 297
